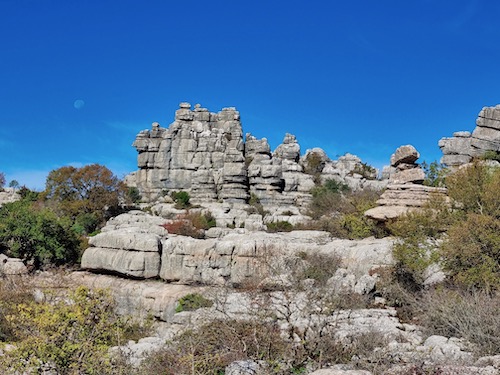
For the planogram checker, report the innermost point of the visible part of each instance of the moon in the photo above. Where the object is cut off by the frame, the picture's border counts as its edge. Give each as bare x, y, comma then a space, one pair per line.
79, 104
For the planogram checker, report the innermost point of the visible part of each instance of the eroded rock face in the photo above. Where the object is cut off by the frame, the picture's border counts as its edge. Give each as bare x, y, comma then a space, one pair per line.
200, 151
130, 244
230, 258
204, 153
463, 146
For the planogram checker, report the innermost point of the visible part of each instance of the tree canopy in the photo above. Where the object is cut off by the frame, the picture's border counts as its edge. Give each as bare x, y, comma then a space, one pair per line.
92, 189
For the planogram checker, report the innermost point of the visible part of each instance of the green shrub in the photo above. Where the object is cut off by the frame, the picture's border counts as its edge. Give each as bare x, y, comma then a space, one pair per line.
339, 211
69, 338
193, 301
279, 226
472, 252
134, 194
435, 173
36, 234
491, 155
181, 199
474, 189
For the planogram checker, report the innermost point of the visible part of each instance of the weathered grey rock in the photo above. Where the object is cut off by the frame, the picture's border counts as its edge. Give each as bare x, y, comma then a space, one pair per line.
414, 175
398, 199
247, 368
404, 154
138, 264
12, 266
127, 239
464, 146
9, 195
129, 244
447, 350
139, 298
289, 149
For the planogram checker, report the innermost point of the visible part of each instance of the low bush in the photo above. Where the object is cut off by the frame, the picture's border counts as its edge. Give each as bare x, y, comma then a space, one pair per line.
336, 210
191, 224
68, 336
318, 266
37, 235
279, 226
469, 315
181, 199
471, 252
193, 301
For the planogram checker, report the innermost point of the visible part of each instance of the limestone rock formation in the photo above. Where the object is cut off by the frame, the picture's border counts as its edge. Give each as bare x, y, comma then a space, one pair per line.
127, 247
463, 146
205, 154
200, 151
405, 191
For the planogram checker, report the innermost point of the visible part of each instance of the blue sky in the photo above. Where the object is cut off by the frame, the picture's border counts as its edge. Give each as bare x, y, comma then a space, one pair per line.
357, 76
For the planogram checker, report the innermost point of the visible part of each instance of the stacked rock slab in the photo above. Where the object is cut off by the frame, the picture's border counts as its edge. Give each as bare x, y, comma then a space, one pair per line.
200, 151
464, 146
130, 244
405, 191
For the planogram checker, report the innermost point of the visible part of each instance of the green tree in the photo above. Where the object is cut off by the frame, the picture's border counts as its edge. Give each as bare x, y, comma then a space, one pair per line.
90, 189
14, 184
2, 180
35, 233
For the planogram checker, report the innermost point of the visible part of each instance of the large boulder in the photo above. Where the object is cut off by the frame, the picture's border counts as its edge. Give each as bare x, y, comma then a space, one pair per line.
129, 245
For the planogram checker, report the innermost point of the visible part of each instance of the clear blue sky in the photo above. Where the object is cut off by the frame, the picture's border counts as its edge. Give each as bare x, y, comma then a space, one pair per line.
348, 76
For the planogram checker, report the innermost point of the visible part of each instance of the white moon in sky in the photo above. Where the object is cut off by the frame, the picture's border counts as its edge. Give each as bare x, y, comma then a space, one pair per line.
79, 104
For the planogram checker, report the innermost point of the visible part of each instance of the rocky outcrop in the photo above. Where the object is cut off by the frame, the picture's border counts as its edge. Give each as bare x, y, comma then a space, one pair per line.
129, 245
405, 191
233, 257
464, 146
8, 195
204, 153
200, 151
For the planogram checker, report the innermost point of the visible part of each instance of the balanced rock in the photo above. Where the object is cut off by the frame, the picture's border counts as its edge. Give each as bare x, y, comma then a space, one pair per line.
404, 154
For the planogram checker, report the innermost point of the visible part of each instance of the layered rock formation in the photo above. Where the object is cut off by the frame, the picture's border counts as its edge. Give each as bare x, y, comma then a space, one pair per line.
464, 146
204, 153
405, 191
126, 247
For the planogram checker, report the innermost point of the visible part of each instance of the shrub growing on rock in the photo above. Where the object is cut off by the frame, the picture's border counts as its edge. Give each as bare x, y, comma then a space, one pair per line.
193, 301
181, 199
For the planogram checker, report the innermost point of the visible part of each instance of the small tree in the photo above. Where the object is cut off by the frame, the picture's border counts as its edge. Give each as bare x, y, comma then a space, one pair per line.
14, 184
90, 189
2, 180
